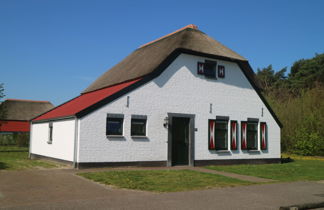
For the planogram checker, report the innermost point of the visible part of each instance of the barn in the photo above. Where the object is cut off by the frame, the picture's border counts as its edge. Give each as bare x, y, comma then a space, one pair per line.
17, 113
183, 99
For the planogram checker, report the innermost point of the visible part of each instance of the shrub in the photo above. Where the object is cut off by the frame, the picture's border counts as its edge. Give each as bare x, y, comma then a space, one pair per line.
302, 118
22, 139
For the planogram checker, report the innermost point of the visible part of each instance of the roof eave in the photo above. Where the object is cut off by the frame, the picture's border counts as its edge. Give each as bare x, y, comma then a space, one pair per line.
53, 119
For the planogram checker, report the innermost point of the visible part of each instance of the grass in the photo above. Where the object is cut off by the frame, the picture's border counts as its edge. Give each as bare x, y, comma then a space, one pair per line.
16, 158
300, 157
298, 170
162, 180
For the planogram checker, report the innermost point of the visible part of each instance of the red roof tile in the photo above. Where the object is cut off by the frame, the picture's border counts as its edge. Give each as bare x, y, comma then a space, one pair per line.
14, 126
83, 101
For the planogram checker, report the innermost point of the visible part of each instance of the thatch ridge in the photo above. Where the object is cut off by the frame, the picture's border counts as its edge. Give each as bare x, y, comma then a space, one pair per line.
17, 109
145, 59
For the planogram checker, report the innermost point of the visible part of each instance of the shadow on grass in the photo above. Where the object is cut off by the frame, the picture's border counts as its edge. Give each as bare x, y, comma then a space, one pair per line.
3, 165
287, 160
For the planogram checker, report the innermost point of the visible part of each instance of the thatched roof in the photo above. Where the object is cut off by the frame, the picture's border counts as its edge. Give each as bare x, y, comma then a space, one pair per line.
16, 109
145, 59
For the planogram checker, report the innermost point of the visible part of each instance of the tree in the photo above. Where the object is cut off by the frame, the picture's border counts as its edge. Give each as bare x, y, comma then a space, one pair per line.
307, 73
269, 79
2, 95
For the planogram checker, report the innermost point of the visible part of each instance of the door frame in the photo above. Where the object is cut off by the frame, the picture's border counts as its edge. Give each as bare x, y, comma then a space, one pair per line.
191, 148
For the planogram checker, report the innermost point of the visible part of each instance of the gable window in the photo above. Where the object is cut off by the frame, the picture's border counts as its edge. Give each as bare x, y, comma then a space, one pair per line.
210, 69
114, 124
138, 125
50, 133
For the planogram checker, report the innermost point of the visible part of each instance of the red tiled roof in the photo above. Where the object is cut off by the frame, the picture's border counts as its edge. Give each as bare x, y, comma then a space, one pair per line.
83, 101
14, 126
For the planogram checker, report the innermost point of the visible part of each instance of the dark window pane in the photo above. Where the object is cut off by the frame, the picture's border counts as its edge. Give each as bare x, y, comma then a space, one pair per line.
221, 135
210, 69
138, 127
252, 135
114, 126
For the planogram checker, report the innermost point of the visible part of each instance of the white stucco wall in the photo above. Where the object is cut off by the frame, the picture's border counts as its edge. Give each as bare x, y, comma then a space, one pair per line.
62, 146
177, 90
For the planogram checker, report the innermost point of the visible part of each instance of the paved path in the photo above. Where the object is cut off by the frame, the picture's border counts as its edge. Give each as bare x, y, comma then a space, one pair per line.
62, 189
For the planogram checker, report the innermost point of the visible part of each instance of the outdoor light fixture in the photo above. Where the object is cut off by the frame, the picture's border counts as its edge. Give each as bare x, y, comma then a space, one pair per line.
166, 122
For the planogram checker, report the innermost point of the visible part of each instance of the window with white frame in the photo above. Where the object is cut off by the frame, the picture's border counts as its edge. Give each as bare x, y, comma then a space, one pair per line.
252, 135
114, 124
221, 134
218, 133
138, 125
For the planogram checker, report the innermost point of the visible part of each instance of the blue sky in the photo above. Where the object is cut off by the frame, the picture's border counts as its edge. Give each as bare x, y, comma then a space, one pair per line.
53, 49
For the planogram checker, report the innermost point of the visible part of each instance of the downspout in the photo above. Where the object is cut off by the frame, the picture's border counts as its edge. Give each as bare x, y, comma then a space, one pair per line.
75, 156
30, 139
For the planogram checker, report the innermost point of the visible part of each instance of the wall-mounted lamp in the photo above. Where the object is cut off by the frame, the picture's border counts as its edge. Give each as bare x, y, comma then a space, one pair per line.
166, 122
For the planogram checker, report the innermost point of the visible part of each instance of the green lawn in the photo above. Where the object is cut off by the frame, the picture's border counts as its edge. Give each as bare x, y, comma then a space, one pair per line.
16, 158
162, 180
298, 170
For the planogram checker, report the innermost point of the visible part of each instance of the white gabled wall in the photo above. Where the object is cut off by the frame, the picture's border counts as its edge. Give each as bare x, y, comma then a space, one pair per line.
177, 90
62, 146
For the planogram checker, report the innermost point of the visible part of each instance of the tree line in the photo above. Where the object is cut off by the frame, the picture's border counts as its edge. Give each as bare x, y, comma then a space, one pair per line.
298, 100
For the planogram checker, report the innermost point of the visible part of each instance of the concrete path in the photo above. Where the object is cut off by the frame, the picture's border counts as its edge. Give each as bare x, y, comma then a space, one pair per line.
232, 175
62, 189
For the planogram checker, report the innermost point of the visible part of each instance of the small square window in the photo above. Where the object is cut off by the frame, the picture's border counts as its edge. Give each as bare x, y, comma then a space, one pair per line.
114, 126
138, 127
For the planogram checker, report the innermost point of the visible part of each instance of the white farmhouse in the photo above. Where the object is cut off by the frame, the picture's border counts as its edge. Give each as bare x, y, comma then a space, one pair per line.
184, 99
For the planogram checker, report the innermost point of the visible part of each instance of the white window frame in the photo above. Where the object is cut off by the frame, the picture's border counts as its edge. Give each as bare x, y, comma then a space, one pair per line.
139, 117
115, 116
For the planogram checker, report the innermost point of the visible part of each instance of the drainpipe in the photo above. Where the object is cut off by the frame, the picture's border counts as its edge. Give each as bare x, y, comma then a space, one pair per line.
30, 139
75, 156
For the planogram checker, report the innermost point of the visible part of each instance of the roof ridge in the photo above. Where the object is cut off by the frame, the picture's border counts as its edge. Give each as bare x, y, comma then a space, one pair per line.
191, 26
26, 100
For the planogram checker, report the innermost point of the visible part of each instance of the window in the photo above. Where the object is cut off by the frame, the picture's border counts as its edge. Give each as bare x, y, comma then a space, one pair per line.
218, 134
138, 125
114, 125
210, 69
249, 134
50, 133
252, 135
221, 134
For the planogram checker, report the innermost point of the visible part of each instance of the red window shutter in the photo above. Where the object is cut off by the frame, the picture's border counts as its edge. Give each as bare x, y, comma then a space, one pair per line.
234, 135
211, 136
243, 135
263, 135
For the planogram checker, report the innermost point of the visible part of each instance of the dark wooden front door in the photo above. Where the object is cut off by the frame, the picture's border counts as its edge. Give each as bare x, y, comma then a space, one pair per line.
180, 140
